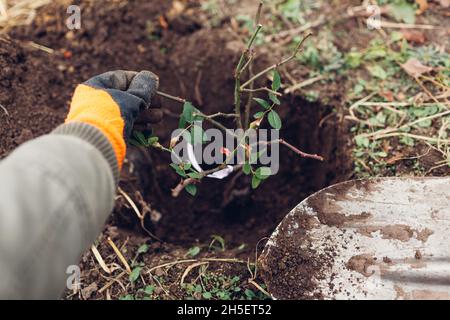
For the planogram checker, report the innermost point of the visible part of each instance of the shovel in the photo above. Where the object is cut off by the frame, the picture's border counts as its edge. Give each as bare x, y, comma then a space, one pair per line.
384, 238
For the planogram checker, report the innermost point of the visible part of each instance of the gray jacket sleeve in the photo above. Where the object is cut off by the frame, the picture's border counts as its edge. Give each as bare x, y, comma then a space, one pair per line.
55, 194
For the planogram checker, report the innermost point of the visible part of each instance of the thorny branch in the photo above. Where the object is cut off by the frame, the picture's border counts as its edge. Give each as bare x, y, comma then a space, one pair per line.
295, 149
184, 182
239, 69
168, 96
277, 65
245, 62
298, 151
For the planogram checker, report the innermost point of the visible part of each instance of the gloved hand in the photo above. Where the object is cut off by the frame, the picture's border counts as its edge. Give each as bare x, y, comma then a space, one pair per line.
112, 103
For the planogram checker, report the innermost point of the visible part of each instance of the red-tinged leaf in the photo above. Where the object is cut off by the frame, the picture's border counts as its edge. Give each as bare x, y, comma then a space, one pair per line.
414, 36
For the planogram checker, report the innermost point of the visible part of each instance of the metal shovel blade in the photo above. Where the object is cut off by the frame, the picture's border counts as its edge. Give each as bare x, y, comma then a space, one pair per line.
385, 238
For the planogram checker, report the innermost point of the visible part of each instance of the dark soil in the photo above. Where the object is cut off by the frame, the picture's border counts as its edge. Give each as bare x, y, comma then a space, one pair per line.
29, 90
292, 268
194, 62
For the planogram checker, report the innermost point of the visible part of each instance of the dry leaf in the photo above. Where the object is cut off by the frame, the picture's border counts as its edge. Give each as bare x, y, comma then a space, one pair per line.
89, 290
415, 68
163, 23
401, 96
445, 3
415, 36
176, 10
388, 95
397, 157
423, 6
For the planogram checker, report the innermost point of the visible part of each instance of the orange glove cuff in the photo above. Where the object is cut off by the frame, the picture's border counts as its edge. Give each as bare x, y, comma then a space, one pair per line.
97, 108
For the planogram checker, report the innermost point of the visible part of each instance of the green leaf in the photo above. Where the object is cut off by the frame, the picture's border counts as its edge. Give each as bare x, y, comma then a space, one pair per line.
249, 293
195, 175
276, 83
263, 103
403, 11
425, 123
274, 99
140, 137
181, 173
187, 165
255, 182
377, 72
258, 115
198, 288
379, 119
188, 110
182, 122
152, 140
149, 289
219, 239
353, 59
191, 189
407, 141
358, 89
178, 170
143, 249
134, 275
223, 295
396, 36
198, 116
197, 135
375, 52
242, 247
274, 120
424, 111
207, 295
263, 173
247, 168
193, 251
254, 156
362, 141
134, 142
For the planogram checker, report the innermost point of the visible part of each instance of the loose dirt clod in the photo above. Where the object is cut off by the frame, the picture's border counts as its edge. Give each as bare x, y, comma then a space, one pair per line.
418, 255
360, 263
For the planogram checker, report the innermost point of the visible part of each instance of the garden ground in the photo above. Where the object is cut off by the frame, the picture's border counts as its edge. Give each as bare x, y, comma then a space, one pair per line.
371, 102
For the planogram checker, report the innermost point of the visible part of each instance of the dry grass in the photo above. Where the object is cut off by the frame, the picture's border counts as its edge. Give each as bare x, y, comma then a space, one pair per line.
18, 12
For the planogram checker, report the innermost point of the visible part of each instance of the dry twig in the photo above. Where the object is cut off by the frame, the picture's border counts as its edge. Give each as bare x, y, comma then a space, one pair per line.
119, 255
138, 213
100, 260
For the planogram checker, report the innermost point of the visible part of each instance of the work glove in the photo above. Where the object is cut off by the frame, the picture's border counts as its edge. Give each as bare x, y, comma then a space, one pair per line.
113, 102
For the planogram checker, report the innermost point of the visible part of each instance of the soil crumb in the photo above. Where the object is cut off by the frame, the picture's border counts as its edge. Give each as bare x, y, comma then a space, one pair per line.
387, 260
329, 212
397, 231
360, 263
424, 234
418, 255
